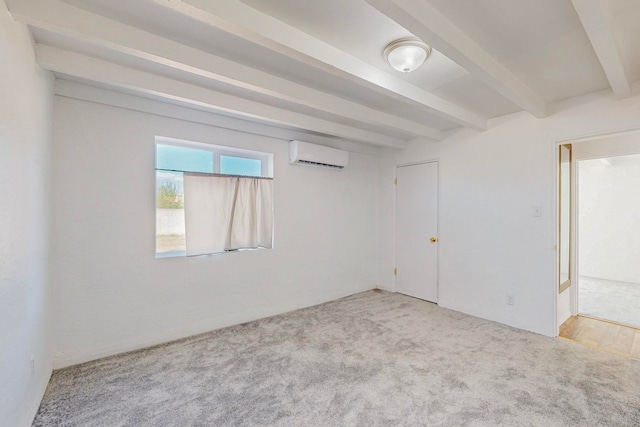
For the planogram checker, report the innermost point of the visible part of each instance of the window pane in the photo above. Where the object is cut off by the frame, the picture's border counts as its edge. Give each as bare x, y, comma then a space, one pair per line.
230, 165
183, 159
170, 228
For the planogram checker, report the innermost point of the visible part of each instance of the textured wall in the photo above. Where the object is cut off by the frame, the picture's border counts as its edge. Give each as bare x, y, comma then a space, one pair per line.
25, 134
491, 245
609, 225
112, 295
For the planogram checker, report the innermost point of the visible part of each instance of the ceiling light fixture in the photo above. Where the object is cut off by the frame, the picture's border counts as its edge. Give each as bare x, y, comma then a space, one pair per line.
406, 55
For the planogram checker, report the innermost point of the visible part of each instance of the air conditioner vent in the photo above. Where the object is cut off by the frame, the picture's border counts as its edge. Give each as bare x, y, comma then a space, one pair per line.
317, 155
308, 162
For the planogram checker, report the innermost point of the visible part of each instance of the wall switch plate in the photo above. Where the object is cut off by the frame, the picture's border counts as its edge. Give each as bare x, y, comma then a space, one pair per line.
510, 299
537, 211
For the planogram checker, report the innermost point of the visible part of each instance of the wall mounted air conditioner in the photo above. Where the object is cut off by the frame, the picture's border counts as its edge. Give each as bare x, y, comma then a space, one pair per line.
304, 153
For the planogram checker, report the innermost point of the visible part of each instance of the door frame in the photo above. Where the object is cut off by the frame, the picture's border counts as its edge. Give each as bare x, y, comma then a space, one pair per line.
573, 228
574, 255
395, 221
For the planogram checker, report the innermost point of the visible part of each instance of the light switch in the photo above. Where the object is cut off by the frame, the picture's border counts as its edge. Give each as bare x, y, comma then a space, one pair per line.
537, 211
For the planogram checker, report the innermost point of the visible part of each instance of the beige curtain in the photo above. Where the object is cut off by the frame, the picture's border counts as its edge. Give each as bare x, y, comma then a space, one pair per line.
225, 213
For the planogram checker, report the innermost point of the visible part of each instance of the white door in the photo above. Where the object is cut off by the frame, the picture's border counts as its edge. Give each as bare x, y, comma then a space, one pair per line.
417, 231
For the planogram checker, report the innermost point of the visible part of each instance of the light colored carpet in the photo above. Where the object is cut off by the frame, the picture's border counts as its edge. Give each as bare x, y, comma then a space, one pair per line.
372, 359
610, 300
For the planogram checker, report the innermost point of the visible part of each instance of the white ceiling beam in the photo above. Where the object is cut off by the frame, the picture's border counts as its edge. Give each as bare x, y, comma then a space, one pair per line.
240, 20
71, 88
435, 29
107, 73
598, 23
71, 22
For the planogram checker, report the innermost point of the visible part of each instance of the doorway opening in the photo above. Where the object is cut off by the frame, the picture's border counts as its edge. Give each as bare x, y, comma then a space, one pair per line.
602, 235
608, 213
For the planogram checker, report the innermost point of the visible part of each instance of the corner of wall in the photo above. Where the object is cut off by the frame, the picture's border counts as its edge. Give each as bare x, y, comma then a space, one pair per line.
25, 182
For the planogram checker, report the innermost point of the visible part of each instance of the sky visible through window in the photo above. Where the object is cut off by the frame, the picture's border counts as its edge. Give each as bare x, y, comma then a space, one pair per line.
183, 159
240, 166
170, 160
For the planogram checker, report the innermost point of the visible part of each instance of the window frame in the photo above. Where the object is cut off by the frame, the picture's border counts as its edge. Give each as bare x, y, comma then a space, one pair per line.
266, 160
218, 150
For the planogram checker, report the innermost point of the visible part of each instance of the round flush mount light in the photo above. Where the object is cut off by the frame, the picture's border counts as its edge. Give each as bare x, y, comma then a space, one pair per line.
406, 55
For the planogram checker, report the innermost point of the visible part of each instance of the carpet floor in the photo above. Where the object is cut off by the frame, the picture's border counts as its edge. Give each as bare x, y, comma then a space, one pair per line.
371, 359
610, 300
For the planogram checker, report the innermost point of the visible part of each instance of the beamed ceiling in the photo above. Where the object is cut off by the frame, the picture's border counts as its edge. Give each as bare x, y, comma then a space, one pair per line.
317, 66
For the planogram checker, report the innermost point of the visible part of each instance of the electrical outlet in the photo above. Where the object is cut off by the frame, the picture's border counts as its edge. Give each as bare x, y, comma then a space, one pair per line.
510, 299
32, 363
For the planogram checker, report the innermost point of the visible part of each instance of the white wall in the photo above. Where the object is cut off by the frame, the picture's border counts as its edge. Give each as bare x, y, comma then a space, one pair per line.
608, 145
491, 245
112, 295
25, 134
609, 220
564, 307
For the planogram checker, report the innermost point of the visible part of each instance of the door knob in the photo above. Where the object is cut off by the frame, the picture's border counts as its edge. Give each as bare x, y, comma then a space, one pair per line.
433, 240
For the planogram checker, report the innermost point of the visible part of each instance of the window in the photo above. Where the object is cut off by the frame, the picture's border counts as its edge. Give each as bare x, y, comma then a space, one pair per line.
174, 159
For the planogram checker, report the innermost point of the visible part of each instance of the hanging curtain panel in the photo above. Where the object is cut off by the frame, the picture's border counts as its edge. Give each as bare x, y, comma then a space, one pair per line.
225, 213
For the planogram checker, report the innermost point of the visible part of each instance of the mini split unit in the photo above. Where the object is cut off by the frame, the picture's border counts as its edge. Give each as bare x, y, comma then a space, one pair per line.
304, 153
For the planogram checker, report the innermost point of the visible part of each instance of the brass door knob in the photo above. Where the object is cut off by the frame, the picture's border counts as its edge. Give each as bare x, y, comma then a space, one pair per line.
433, 240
